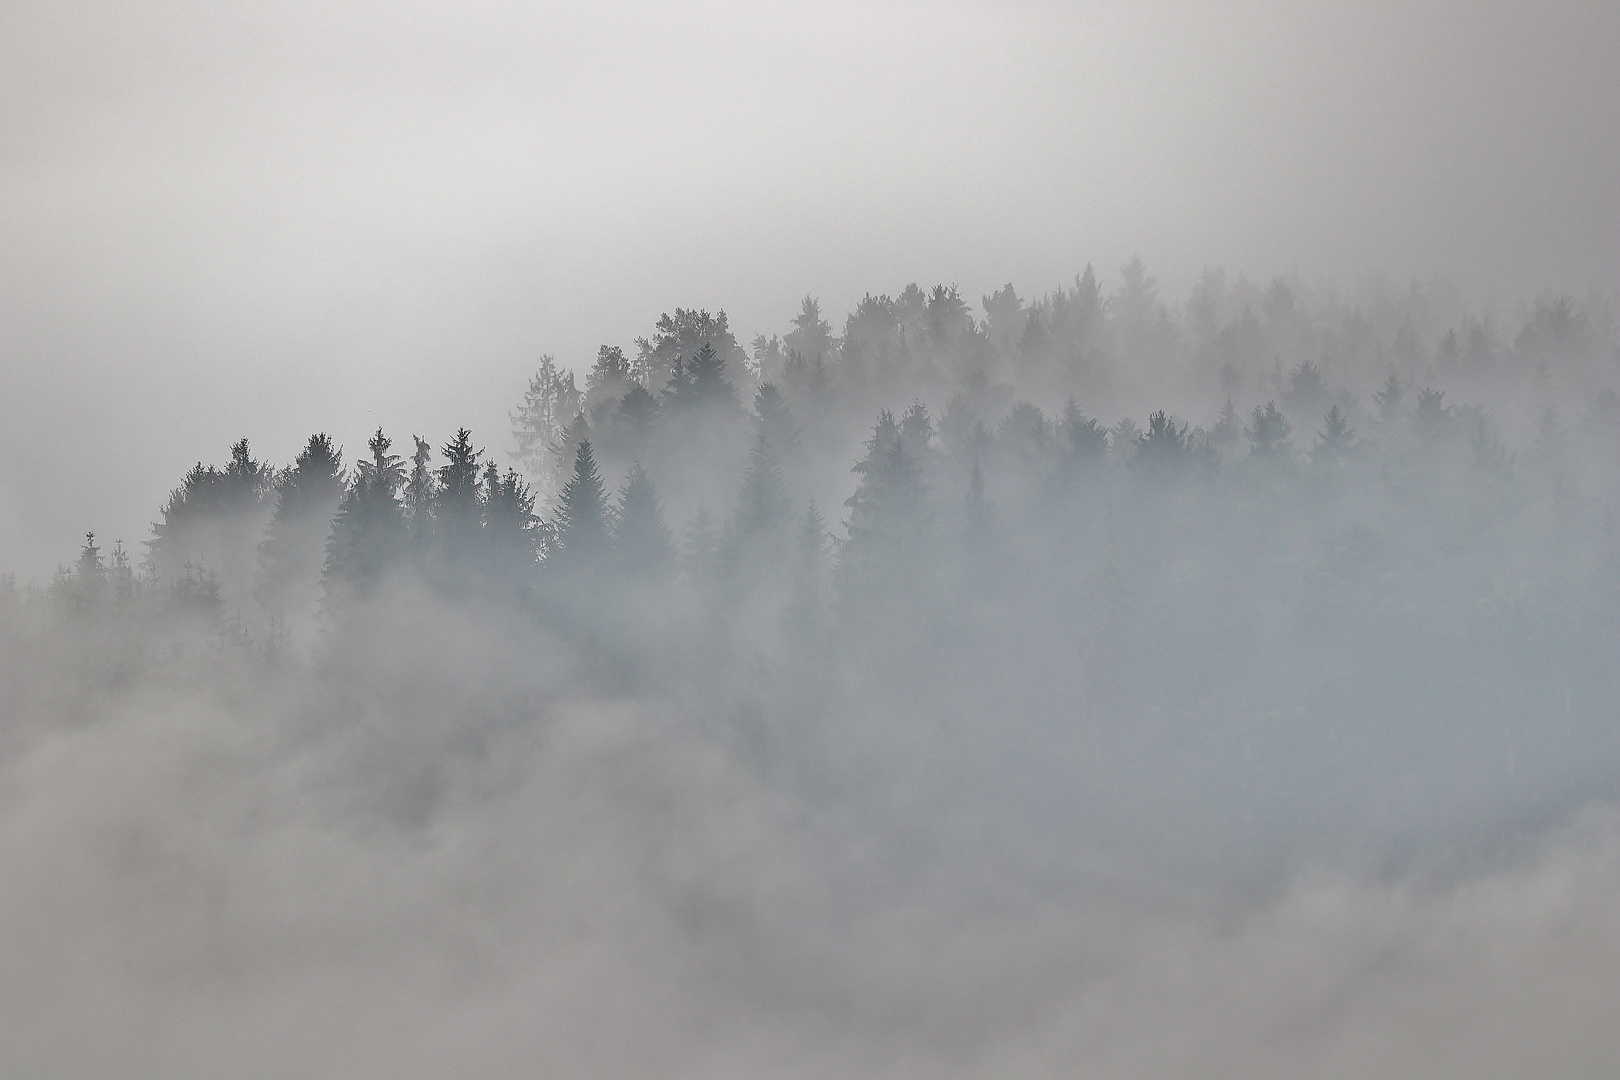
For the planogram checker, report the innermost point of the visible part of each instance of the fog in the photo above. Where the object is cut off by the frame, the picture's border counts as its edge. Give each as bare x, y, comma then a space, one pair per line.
887, 540
292, 216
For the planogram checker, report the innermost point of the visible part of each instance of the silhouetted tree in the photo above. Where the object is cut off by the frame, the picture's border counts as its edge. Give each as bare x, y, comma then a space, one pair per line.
582, 518
294, 544
369, 528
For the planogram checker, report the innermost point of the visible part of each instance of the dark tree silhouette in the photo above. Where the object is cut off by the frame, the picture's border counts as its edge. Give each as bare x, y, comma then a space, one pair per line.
368, 531
294, 544
582, 518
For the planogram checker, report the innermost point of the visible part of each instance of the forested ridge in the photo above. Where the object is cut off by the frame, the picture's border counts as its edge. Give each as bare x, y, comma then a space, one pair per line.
890, 697
1341, 539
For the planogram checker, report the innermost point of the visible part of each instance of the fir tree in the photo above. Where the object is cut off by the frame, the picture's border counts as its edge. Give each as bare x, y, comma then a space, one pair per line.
291, 553
581, 520
368, 530
421, 490
456, 500
511, 542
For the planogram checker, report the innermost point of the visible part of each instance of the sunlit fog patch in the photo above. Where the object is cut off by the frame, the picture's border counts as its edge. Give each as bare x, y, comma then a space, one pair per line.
1074, 683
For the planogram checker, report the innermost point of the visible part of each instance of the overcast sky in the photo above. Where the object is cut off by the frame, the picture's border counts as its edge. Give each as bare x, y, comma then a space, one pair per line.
222, 220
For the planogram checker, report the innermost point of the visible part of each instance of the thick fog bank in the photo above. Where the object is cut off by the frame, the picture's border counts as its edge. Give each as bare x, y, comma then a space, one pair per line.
1086, 687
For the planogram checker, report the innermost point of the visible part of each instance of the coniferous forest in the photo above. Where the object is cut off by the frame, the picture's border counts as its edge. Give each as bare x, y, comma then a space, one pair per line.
863, 687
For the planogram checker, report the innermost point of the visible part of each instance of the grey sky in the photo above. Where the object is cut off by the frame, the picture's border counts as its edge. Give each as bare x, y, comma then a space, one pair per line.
218, 221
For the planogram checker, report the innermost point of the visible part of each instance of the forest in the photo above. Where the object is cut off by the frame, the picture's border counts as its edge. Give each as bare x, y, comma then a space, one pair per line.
1087, 601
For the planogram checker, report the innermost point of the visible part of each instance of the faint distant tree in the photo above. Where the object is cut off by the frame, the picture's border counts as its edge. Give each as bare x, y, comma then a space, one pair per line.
1005, 320
641, 539
890, 518
1556, 332
632, 432
1084, 441
756, 535
700, 386
550, 403
811, 337
1164, 451
679, 337
1389, 399
291, 554
611, 376
1336, 441
979, 540
1124, 439
774, 420
121, 575
1433, 419
770, 358
1268, 433
1448, 354
1307, 387
700, 549
1228, 427
805, 615
1025, 438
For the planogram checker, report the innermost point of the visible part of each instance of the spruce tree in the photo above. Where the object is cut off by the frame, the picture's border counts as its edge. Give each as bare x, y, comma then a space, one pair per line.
511, 541
369, 528
581, 520
421, 489
456, 509
290, 555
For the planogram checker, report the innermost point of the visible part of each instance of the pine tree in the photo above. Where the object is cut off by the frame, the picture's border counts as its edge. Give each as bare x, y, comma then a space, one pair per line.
582, 518
641, 539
